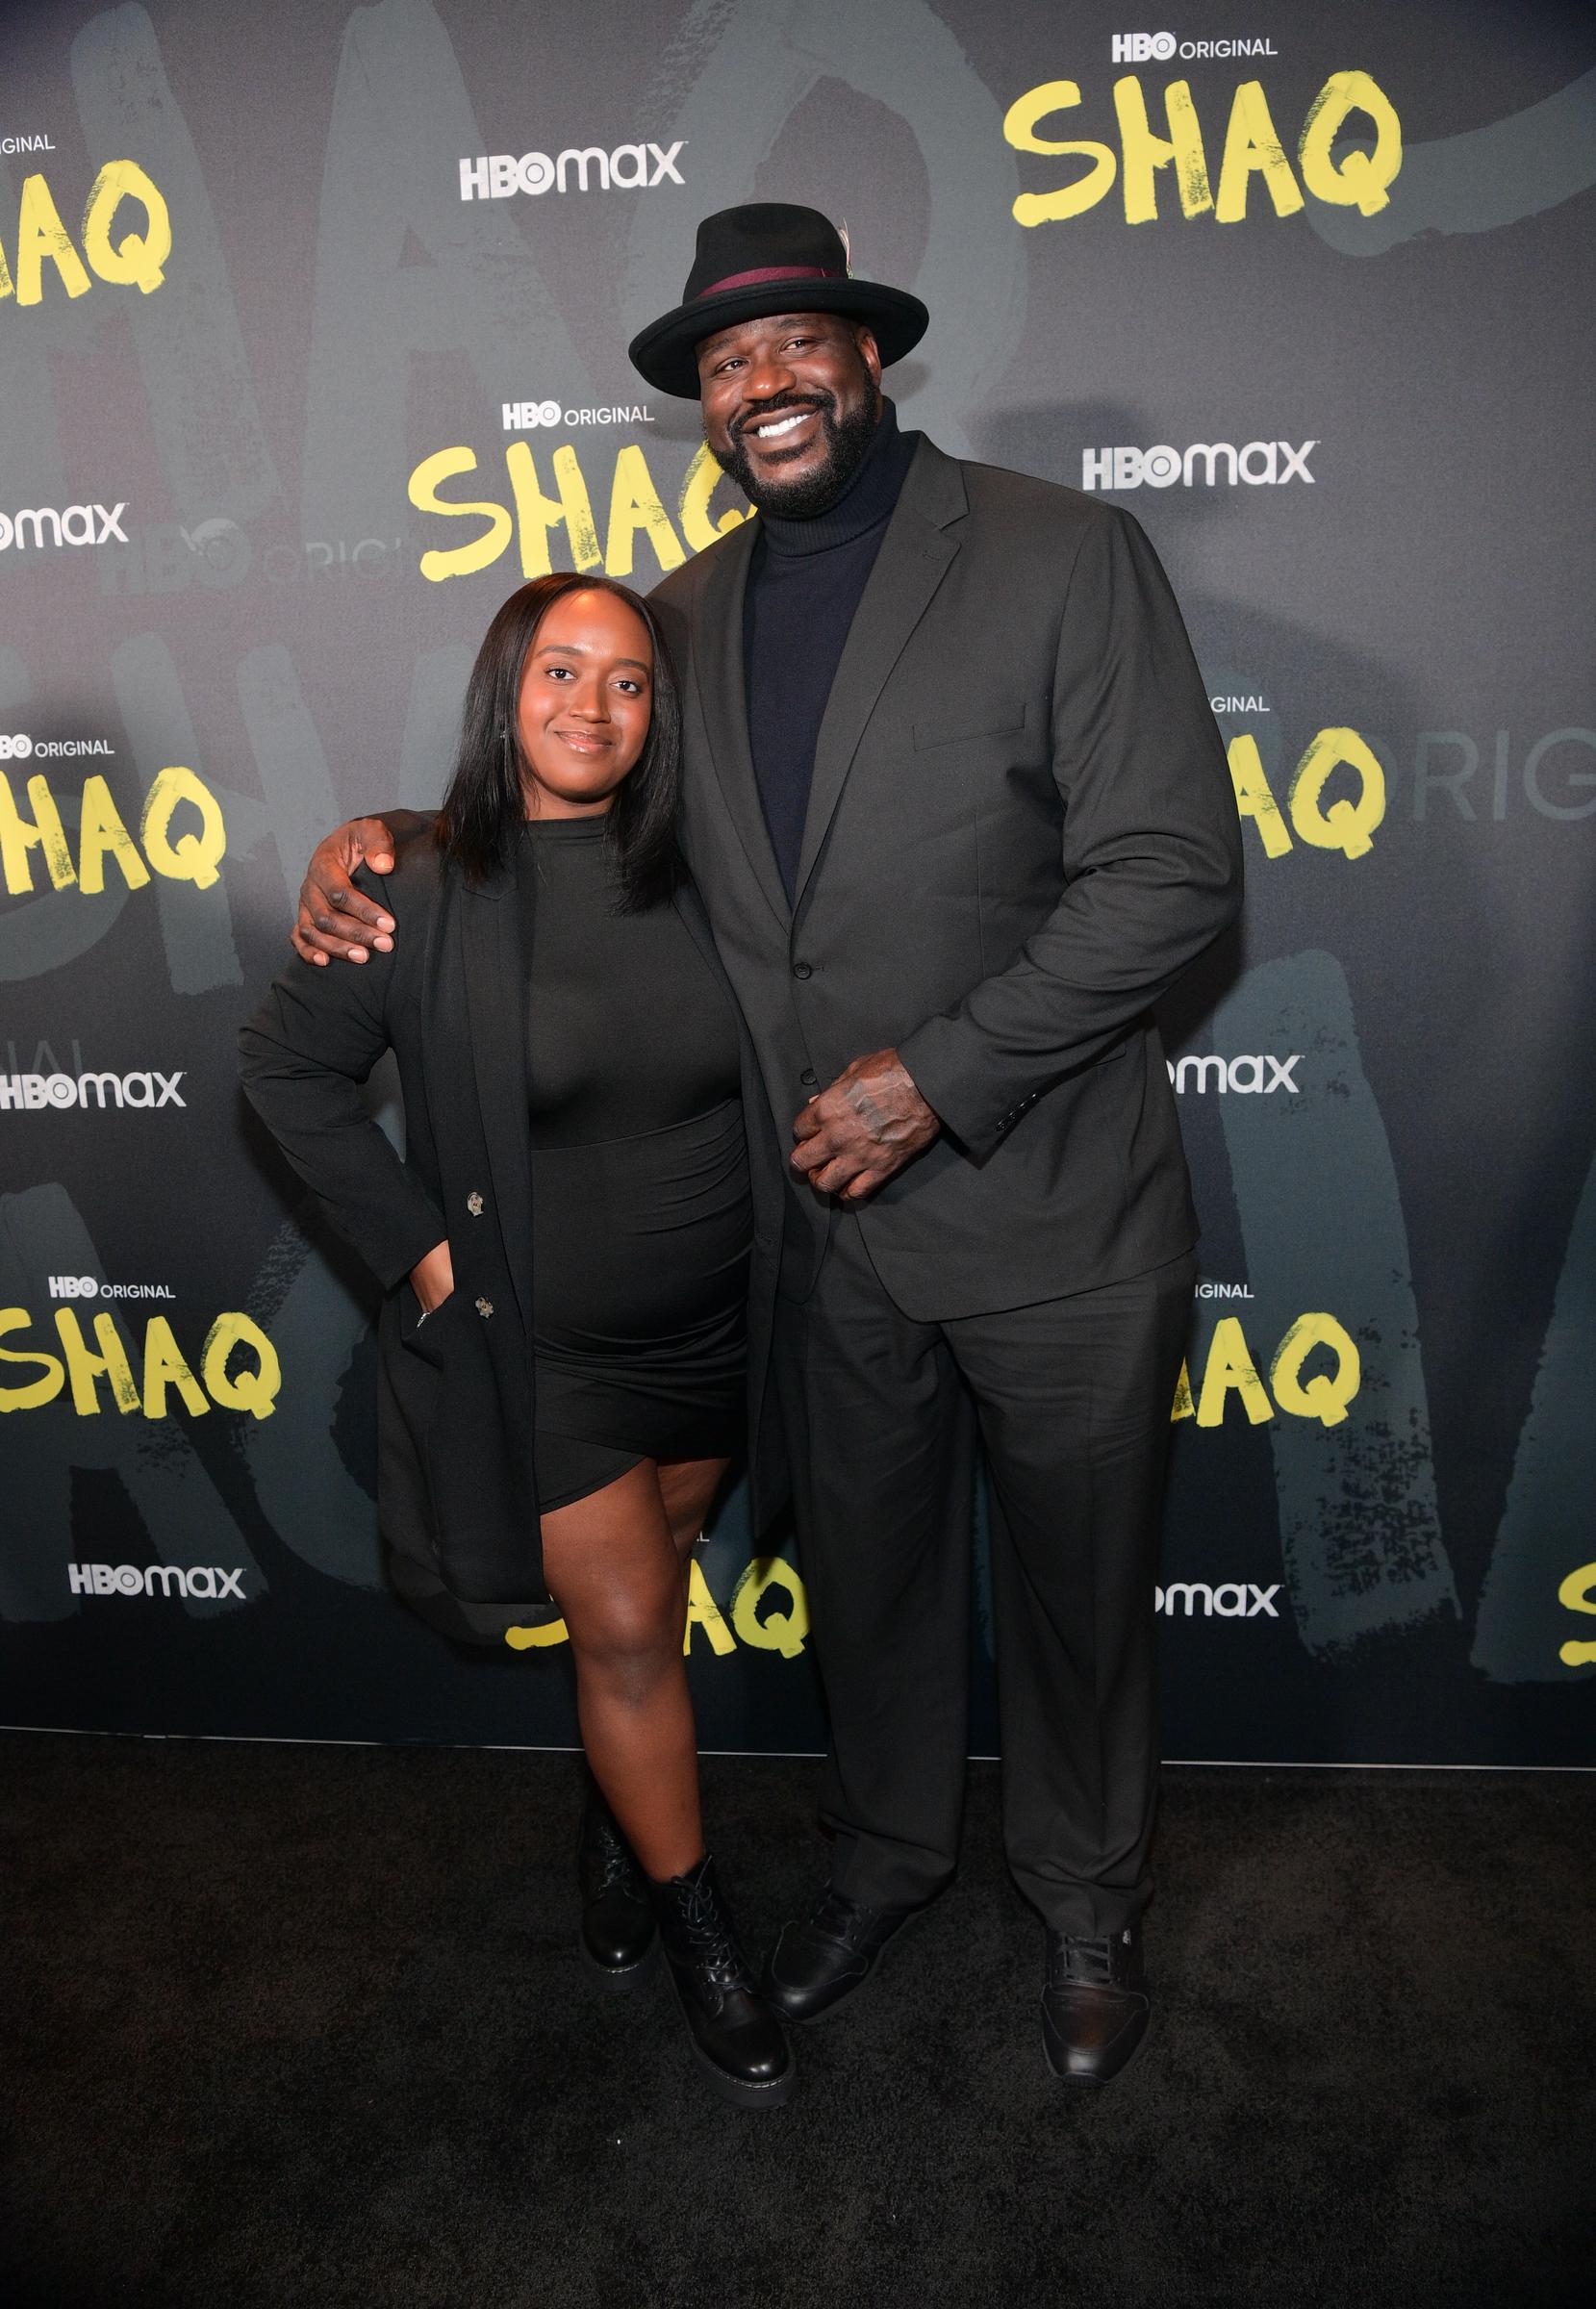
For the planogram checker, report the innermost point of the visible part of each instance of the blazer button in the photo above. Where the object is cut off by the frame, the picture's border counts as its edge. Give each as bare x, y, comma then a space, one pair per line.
473, 1204
808, 1078
484, 1307
802, 970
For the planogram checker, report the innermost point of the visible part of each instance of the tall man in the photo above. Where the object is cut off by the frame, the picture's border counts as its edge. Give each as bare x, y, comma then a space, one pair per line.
958, 810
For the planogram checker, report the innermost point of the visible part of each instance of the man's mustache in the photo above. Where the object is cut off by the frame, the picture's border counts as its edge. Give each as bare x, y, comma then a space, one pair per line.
781, 406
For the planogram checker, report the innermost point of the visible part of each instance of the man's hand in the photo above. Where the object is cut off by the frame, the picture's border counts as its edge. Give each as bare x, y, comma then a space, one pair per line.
867, 1126
432, 1279
334, 921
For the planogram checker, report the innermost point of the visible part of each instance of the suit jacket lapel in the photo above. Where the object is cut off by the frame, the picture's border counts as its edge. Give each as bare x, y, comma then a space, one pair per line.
689, 906
915, 553
717, 669
495, 1003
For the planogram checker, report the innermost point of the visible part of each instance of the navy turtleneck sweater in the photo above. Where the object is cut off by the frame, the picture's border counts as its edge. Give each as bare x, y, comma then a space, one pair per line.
805, 580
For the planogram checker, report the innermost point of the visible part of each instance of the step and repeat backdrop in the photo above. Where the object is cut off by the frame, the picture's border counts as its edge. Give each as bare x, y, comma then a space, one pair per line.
313, 328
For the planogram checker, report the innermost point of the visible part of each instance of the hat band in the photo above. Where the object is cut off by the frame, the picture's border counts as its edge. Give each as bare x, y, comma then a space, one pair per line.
770, 272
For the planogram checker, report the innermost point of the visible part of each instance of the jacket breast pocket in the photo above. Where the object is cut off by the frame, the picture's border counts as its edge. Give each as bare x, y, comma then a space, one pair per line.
967, 723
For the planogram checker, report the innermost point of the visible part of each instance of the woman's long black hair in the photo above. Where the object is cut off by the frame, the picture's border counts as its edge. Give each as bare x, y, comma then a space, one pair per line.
486, 804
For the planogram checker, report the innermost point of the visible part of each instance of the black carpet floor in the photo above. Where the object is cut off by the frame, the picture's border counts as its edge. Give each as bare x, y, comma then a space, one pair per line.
301, 2027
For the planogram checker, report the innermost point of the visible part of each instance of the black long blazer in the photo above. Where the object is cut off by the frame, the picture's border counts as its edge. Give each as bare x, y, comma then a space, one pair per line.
1020, 831
455, 1482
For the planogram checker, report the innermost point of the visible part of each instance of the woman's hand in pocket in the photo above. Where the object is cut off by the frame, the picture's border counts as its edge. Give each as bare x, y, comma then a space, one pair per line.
432, 1279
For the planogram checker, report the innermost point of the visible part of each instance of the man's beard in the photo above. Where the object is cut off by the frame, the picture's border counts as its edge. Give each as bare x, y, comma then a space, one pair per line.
848, 441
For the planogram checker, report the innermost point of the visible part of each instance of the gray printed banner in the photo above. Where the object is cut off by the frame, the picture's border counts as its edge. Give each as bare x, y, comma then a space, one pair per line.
313, 342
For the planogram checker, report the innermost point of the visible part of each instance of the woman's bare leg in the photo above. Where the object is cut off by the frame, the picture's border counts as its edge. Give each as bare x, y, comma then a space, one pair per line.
687, 1489
615, 1564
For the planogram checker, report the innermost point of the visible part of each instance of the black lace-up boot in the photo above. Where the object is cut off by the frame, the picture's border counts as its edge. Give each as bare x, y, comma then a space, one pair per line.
1095, 2006
734, 2034
619, 1945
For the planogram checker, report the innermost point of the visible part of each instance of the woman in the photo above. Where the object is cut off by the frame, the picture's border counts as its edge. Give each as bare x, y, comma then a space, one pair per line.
576, 1252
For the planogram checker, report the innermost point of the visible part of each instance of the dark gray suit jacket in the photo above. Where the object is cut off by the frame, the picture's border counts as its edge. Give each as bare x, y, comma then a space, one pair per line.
1022, 829
455, 1403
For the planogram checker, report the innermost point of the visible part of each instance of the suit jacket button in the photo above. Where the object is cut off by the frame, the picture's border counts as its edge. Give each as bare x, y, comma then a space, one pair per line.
484, 1307
473, 1204
803, 970
808, 1078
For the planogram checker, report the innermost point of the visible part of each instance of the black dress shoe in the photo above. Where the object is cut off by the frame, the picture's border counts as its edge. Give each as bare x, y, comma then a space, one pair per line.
734, 2034
817, 1963
1095, 2006
620, 1943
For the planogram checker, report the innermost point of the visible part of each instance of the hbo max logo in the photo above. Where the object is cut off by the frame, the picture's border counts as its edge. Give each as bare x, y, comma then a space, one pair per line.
628, 169
1260, 464
207, 1581
1231, 1599
142, 1088
71, 525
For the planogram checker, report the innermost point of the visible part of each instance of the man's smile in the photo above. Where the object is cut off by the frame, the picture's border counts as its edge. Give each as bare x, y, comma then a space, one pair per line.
780, 428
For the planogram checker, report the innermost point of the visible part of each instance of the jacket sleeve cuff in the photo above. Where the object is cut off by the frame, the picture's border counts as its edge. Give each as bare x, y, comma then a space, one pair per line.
403, 1240
964, 1105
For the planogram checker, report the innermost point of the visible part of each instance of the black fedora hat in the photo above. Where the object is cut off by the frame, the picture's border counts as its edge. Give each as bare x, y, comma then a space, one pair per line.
769, 257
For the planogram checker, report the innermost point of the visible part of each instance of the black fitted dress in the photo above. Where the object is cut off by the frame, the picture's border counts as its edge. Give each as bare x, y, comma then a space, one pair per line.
641, 1215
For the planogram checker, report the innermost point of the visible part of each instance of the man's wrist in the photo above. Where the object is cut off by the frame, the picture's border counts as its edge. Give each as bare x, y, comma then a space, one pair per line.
931, 1114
